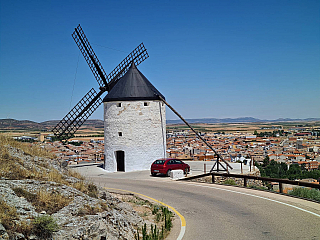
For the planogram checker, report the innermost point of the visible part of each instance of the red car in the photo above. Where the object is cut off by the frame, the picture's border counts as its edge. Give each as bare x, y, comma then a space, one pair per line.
165, 165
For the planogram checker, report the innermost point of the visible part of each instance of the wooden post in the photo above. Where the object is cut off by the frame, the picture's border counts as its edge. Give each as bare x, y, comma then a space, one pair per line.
213, 180
250, 164
204, 168
280, 187
217, 163
245, 181
254, 167
241, 168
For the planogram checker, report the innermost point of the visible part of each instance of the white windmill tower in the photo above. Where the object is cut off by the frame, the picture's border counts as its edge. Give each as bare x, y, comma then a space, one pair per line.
135, 125
134, 113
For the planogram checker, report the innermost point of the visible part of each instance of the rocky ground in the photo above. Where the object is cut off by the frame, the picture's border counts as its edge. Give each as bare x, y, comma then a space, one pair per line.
39, 199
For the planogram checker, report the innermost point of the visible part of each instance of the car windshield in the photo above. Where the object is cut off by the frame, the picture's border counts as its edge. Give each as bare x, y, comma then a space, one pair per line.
159, 162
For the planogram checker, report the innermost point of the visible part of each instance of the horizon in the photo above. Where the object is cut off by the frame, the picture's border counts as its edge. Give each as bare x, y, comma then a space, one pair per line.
178, 119
229, 60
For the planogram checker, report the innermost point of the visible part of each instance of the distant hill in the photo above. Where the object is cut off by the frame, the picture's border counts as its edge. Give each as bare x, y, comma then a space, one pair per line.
20, 124
7, 124
240, 120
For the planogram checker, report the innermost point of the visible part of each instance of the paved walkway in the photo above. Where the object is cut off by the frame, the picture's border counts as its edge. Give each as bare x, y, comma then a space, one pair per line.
197, 167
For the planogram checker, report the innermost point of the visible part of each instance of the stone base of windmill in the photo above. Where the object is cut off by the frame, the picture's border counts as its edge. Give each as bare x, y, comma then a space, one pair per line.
176, 174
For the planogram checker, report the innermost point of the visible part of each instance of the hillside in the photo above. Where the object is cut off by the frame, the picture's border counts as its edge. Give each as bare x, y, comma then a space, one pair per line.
39, 199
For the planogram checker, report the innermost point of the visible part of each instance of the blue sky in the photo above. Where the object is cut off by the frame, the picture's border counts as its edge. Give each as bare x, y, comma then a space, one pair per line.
214, 59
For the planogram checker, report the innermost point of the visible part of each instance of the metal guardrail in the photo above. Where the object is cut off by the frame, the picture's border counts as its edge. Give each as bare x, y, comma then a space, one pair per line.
246, 177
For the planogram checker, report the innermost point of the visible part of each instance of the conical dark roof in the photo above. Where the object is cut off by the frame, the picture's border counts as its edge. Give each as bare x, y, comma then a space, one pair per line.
133, 86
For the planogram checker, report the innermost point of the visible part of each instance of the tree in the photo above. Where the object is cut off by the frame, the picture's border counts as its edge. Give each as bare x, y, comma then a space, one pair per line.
266, 161
303, 167
283, 169
294, 171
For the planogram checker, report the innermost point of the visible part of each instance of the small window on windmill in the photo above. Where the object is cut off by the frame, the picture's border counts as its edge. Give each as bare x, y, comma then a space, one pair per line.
119, 104
120, 134
145, 104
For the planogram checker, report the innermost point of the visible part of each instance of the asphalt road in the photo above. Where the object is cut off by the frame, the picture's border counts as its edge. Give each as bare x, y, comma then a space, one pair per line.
215, 211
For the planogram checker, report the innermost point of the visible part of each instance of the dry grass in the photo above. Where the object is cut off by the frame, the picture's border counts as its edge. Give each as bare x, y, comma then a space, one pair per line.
28, 148
92, 210
74, 174
55, 176
88, 188
7, 215
13, 168
24, 227
51, 202
43, 200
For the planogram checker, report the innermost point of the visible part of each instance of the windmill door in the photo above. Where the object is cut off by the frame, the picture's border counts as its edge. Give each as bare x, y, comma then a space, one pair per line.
120, 160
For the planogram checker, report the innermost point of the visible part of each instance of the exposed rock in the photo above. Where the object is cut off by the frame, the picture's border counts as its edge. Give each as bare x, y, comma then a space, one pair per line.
84, 217
3, 233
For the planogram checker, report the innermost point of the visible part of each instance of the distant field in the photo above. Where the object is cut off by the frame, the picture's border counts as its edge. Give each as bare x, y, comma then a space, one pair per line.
243, 127
96, 132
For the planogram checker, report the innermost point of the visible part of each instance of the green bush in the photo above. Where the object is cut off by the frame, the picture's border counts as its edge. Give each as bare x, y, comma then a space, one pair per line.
258, 187
230, 182
313, 194
44, 226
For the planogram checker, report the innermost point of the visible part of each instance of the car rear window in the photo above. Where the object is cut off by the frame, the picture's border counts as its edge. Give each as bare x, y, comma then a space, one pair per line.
159, 162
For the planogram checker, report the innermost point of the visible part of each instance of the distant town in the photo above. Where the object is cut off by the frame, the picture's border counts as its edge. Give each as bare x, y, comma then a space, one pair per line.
289, 143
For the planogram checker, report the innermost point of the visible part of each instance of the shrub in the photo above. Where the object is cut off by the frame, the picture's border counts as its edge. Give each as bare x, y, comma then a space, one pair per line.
44, 226
92, 190
313, 194
229, 182
258, 187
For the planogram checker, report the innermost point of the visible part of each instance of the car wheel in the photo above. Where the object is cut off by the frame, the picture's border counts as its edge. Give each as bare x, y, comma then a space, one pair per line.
168, 173
153, 174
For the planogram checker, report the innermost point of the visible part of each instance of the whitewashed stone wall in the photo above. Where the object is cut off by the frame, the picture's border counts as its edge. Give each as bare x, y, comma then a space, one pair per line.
143, 137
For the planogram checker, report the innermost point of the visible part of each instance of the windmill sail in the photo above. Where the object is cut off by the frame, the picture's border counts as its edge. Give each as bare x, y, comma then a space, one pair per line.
90, 102
138, 55
66, 128
90, 56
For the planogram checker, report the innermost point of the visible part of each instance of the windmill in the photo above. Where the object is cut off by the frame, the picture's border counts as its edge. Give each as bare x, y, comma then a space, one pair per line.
134, 112
66, 128
134, 115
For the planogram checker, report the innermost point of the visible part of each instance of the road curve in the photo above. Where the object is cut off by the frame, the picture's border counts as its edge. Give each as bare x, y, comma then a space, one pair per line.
216, 211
